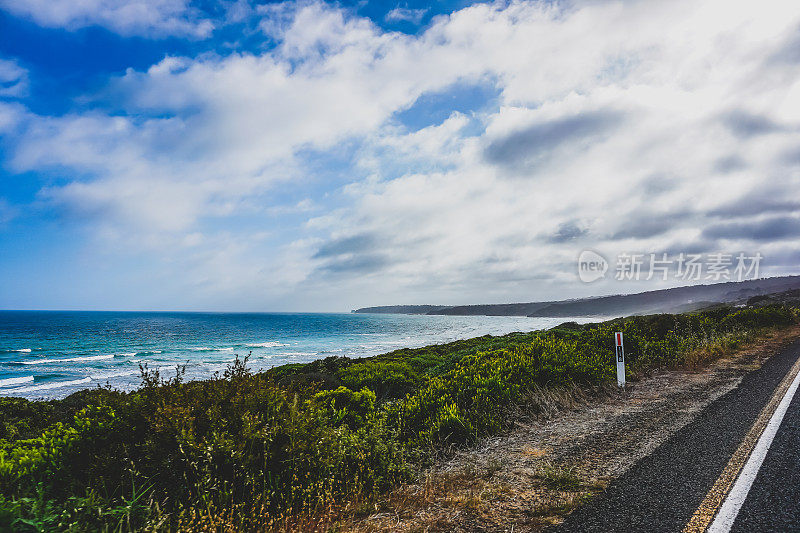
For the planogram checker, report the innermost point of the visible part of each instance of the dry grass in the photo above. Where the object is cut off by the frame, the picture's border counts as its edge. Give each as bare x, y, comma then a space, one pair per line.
566, 446
704, 356
472, 492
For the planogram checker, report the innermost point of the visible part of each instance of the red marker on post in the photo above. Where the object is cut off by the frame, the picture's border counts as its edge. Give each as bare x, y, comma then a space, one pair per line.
620, 356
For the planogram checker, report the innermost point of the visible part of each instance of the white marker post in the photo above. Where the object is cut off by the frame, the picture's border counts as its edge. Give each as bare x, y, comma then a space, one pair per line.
620, 353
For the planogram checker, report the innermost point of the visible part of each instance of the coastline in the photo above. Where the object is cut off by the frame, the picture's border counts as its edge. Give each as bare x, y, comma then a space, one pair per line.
51, 355
311, 446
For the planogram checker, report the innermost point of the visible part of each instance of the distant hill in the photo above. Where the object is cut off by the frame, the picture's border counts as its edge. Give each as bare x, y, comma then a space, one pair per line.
492, 309
678, 299
670, 300
400, 309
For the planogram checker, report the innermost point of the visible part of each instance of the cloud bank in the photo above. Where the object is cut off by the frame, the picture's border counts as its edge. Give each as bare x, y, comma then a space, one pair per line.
149, 18
616, 126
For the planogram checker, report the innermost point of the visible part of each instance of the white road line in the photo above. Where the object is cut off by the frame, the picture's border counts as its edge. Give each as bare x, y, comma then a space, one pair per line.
726, 516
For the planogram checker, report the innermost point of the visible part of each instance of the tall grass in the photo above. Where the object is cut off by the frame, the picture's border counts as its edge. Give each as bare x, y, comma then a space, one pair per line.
296, 447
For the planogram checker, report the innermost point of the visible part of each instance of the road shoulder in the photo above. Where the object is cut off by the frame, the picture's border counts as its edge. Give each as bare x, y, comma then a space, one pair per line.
534, 475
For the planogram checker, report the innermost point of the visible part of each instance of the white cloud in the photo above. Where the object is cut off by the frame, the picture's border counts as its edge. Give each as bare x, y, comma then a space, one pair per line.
10, 116
149, 18
232, 123
617, 118
13, 79
405, 14
487, 228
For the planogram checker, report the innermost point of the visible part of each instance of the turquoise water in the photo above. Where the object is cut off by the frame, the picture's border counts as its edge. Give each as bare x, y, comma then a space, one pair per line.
50, 354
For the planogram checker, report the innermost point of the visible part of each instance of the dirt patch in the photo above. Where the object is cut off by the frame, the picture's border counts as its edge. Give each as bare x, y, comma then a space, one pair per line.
536, 473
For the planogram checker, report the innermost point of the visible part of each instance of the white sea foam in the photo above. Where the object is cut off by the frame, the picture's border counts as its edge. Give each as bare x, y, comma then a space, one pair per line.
47, 386
129, 354
207, 349
100, 377
298, 353
23, 350
271, 344
67, 360
15, 381
167, 367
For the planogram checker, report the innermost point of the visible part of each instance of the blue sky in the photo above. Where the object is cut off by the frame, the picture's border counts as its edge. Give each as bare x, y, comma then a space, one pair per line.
169, 154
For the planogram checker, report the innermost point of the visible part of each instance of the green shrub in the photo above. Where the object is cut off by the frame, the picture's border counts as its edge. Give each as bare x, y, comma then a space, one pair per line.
241, 450
344, 406
388, 379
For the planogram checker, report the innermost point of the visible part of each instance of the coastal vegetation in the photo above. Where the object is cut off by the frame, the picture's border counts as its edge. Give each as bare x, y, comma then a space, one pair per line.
300, 446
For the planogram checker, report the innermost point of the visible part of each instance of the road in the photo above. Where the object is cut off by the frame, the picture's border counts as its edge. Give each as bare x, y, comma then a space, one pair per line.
683, 483
773, 502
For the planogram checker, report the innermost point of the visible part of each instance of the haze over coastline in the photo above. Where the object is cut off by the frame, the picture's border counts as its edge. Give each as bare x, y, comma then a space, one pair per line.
674, 300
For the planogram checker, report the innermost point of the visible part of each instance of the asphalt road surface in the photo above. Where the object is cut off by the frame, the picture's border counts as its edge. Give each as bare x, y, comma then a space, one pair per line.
662, 491
773, 502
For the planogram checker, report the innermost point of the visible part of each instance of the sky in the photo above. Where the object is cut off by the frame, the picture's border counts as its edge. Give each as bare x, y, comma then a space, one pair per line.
308, 156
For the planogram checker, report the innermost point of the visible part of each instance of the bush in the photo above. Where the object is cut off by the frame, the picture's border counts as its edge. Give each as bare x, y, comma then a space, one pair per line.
294, 446
388, 379
344, 406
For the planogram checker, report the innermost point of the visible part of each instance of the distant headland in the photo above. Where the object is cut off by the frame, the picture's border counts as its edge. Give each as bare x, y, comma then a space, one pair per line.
674, 300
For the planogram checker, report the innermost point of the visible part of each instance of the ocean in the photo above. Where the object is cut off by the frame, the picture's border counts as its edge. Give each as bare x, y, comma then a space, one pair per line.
51, 354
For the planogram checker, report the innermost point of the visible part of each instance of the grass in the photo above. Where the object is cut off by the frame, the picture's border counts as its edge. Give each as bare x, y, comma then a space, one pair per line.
298, 447
559, 478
